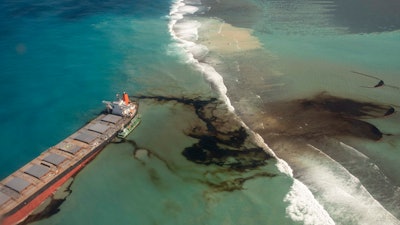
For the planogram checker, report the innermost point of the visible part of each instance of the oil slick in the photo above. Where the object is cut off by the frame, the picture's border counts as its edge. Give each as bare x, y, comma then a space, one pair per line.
322, 115
223, 144
380, 83
52, 205
307, 133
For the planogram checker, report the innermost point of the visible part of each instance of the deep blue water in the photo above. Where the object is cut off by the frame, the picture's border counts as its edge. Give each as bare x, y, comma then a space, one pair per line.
59, 60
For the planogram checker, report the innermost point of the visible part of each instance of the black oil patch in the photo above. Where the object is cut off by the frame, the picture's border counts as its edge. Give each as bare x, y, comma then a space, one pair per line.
223, 142
51, 209
207, 152
154, 177
235, 184
347, 108
323, 115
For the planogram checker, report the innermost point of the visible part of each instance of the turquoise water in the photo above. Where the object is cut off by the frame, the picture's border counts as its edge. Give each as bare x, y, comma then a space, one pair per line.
164, 187
60, 60
314, 56
309, 48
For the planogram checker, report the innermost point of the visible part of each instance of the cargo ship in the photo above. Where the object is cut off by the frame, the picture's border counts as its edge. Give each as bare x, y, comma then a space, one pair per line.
27, 188
130, 127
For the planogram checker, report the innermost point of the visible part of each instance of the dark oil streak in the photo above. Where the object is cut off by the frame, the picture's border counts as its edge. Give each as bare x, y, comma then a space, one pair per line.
235, 184
150, 153
197, 103
208, 151
324, 115
379, 84
223, 143
51, 209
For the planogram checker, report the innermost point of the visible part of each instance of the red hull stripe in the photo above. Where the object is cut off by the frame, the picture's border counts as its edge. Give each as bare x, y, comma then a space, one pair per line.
27, 209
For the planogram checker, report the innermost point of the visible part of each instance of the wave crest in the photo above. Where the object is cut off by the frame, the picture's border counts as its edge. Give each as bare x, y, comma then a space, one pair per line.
184, 32
302, 204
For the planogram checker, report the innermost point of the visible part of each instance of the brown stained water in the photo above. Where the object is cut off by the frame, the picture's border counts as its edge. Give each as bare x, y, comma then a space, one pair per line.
320, 116
309, 129
310, 132
154, 169
287, 68
51, 205
323, 97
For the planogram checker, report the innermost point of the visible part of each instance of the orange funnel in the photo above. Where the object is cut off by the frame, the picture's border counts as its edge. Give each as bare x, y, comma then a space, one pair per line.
125, 98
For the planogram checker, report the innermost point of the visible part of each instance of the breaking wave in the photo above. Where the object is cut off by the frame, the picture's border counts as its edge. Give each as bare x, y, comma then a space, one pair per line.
184, 31
346, 198
303, 206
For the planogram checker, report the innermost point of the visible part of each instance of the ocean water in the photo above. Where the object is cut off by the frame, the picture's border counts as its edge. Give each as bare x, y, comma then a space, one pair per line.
298, 76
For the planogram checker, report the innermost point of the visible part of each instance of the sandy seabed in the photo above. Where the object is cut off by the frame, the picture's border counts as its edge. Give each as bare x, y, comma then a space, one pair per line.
225, 38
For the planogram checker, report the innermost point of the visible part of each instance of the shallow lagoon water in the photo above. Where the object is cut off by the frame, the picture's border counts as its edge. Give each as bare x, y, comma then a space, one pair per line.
265, 59
302, 59
162, 186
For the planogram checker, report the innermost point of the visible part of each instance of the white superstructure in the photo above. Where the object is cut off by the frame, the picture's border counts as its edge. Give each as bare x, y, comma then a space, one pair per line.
122, 106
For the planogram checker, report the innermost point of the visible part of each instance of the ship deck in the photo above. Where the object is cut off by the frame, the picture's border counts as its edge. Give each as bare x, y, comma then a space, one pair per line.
21, 186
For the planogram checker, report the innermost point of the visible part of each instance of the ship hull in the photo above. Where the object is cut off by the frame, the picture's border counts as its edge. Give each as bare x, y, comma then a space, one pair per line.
22, 211
130, 127
27, 188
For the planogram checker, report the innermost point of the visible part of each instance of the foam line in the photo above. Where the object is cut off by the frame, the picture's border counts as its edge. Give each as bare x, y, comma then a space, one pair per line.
303, 207
185, 33
347, 198
375, 180
353, 151
302, 204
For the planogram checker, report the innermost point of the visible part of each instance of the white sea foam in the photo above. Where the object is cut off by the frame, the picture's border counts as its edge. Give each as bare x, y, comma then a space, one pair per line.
347, 199
198, 51
383, 189
184, 32
187, 9
303, 207
216, 81
353, 151
193, 2
302, 204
